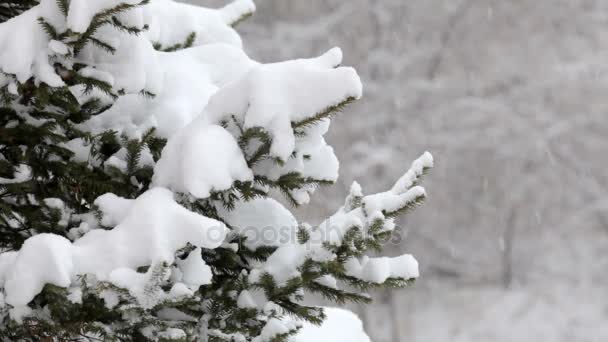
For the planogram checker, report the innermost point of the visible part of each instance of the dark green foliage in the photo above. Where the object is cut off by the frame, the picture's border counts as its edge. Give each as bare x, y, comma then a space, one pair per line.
188, 42
106, 17
227, 264
64, 6
36, 137
325, 114
12, 8
35, 127
55, 173
68, 319
241, 19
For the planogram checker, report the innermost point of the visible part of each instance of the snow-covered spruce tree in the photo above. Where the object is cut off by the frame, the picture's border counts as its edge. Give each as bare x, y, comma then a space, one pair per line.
142, 156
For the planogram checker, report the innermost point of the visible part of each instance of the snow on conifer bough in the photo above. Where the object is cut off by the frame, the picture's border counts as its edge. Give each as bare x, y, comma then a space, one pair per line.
144, 160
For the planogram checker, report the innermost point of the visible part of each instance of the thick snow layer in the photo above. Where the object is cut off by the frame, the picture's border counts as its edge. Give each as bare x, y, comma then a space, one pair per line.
43, 259
135, 66
152, 230
283, 263
114, 209
199, 159
209, 25
187, 148
190, 77
275, 95
378, 270
244, 301
275, 227
158, 224
195, 272
58, 47
28, 52
339, 326
25, 44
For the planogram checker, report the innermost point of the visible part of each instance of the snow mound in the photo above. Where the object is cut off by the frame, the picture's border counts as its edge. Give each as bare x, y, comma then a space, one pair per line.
201, 158
277, 226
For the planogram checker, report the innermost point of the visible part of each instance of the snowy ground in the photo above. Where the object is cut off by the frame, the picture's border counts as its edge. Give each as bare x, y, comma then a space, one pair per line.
510, 96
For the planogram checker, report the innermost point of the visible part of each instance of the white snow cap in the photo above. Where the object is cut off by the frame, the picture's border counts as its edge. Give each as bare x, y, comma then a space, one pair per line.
263, 221
209, 25
378, 270
190, 77
275, 95
43, 259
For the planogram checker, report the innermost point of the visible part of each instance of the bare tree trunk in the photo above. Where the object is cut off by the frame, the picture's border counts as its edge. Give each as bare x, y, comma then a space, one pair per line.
507, 253
395, 317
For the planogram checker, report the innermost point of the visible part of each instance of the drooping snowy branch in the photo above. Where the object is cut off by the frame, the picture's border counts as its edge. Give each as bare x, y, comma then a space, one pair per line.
281, 93
253, 101
357, 226
151, 230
